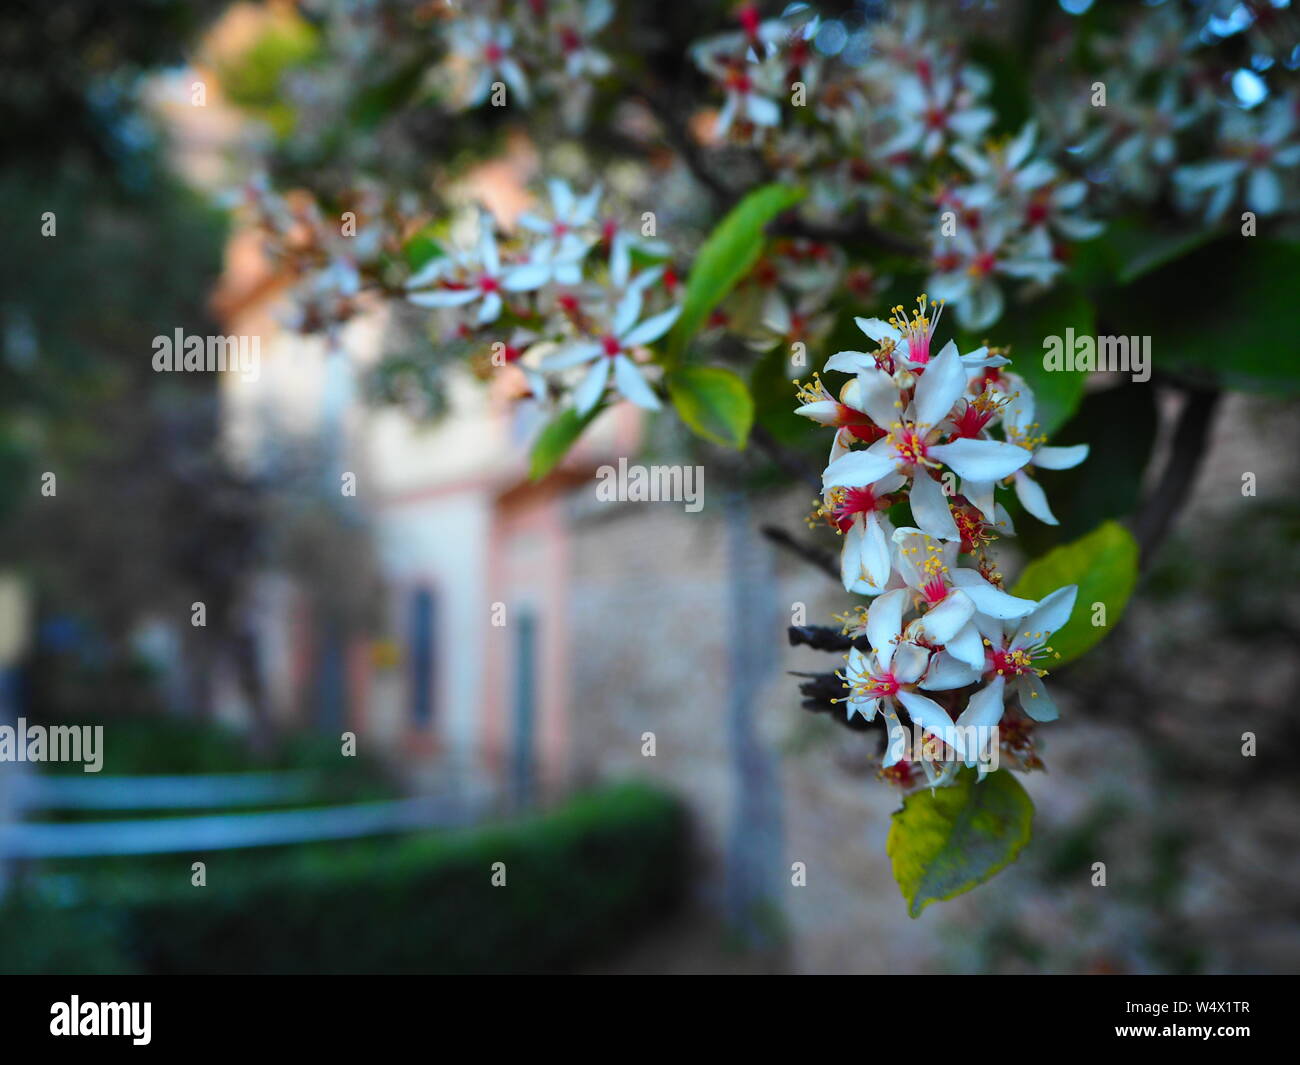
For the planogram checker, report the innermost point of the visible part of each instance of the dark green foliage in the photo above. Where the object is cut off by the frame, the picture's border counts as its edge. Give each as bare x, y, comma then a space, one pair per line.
580, 880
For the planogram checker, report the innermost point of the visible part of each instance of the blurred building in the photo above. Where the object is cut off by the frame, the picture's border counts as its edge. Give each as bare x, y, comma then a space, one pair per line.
465, 674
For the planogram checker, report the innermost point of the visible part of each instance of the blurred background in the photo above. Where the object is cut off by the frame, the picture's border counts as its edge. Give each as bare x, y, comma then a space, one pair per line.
596, 696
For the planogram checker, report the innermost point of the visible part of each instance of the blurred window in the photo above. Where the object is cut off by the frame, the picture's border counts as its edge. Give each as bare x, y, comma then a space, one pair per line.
423, 632
525, 703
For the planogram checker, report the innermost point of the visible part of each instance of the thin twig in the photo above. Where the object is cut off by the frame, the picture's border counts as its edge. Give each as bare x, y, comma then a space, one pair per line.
791, 461
690, 151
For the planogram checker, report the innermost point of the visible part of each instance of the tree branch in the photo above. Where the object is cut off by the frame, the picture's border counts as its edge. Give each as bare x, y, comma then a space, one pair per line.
814, 556
820, 689
824, 638
855, 229
791, 461
1155, 517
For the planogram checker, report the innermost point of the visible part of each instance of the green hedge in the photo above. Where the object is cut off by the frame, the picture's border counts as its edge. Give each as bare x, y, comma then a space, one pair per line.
580, 881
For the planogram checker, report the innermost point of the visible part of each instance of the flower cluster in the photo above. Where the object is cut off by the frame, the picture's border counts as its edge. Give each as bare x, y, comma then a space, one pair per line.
569, 301
1172, 119
879, 135
525, 46
564, 300
332, 259
942, 432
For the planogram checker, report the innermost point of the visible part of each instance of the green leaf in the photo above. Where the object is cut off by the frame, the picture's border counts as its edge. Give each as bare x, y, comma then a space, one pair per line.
715, 403
1119, 427
1142, 249
420, 247
728, 255
1024, 329
555, 439
1009, 95
1224, 313
944, 842
1104, 564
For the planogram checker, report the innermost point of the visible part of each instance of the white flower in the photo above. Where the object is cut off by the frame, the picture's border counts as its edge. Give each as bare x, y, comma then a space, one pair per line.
935, 107
968, 264
1013, 649
575, 31
611, 353
564, 242
1257, 149
1021, 429
474, 276
911, 445
951, 596
844, 413
905, 342
887, 675
1019, 186
486, 47
858, 514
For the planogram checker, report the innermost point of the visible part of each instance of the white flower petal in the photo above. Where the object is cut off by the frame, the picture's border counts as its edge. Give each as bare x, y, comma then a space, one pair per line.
855, 704
444, 297
930, 508
858, 469
968, 647
592, 387
1034, 699
1052, 612
490, 311
651, 329
988, 599
1060, 458
1034, 499
877, 395
980, 493
981, 460
941, 385
947, 672
850, 361
878, 330
942, 622
822, 411
632, 385
885, 623
627, 311
875, 554
910, 660
985, 707
571, 355
895, 736
527, 277
930, 716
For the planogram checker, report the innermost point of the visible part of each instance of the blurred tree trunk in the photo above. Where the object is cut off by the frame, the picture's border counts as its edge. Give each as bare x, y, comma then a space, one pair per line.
755, 869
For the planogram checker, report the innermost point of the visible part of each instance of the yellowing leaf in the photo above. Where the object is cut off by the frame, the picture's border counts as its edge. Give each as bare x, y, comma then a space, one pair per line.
945, 842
